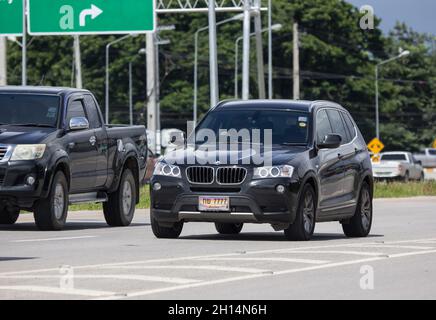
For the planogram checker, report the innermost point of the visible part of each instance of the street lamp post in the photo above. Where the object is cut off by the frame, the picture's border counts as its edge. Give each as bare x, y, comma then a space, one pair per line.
197, 33
238, 40
377, 110
108, 46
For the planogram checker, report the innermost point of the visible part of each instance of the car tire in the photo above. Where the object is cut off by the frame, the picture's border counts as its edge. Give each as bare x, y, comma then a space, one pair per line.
9, 216
406, 177
422, 177
304, 225
161, 232
229, 228
120, 207
51, 213
360, 224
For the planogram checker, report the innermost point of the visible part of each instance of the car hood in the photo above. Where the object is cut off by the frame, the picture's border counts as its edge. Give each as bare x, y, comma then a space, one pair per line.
193, 155
23, 135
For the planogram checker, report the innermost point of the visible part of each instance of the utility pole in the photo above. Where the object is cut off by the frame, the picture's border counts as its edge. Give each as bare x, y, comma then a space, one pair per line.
130, 94
246, 51
213, 56
296, 71
270, 63
78, 62
3, 62
151, 87
259, 51
24, 48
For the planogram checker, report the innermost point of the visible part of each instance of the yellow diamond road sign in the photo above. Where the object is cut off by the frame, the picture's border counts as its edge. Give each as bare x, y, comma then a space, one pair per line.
376, 146
434, 144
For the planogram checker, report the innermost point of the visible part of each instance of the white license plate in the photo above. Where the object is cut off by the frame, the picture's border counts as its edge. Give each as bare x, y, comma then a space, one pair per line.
214, 203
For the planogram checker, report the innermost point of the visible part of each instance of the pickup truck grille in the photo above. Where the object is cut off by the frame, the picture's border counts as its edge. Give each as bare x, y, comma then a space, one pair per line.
200, 175
231, 175
3, 151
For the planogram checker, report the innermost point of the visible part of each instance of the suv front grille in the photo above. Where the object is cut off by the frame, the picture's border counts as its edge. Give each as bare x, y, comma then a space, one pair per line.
200, 175
231, 175
3, 151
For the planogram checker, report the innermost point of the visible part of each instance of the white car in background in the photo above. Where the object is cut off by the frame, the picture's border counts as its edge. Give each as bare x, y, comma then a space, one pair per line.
399, 166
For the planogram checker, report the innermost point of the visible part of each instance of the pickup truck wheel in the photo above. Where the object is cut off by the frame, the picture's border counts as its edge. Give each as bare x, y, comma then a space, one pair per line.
170, 232
51, 213
120, 208
8, 216
304, 225
360, 224
229, 228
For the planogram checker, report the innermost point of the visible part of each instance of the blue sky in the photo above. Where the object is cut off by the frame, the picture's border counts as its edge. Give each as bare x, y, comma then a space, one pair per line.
419, 14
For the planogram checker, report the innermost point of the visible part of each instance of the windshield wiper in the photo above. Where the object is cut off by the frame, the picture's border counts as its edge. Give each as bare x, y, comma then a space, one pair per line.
31, 125
293, 144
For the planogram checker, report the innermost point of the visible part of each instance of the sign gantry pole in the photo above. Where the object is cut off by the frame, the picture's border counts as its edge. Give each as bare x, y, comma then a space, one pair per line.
24, 48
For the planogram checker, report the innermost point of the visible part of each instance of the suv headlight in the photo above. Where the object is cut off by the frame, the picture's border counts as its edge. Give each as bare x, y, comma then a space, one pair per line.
28, 152
273, 172
167, 170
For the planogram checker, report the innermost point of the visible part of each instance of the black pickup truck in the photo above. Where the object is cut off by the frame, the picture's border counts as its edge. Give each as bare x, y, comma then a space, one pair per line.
55, 150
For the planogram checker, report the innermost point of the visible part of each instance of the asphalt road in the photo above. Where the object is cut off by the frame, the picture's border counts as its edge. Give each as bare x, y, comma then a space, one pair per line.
89, 260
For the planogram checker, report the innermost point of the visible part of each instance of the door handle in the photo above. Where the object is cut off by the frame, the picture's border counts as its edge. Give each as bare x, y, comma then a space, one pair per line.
92, 140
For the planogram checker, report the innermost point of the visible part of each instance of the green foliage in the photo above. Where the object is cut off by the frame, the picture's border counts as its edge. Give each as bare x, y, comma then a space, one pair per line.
338, 60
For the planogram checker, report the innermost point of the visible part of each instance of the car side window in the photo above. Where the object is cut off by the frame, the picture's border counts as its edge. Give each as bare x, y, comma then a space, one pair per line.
350, 125
338, 125
94, 116
75, 109
323, 126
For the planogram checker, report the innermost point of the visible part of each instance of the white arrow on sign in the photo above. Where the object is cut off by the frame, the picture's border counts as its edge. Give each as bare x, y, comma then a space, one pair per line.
94, 12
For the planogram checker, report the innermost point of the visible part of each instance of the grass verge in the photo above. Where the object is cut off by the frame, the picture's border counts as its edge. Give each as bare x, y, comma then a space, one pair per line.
382, 190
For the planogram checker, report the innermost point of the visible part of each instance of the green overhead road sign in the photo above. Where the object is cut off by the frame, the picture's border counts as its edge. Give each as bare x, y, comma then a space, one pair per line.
57, 17
11, 17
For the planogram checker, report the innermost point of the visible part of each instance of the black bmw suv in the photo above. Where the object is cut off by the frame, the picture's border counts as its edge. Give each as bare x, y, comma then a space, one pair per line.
306, 162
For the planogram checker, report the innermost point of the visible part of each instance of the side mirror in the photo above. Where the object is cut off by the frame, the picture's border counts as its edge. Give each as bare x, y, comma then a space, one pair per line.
78, 123
331, 141
419, 162
177, 138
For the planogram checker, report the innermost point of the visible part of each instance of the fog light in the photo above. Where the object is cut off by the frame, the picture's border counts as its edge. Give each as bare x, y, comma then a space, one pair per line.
30, 180
280, 189
157, 186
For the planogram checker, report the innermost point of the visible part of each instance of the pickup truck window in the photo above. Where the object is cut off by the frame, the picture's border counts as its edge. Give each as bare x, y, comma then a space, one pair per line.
432, 152
91, 108
75, 109
32, 109
394, 157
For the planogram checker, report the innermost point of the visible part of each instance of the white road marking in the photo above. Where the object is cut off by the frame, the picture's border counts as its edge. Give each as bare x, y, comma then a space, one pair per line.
54, 290
53, 239
256, 276
392, 246
177, 267
166, 260
346, 252
308, 261
133, 277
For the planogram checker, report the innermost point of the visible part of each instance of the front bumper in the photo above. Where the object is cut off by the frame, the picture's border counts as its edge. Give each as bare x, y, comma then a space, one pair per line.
255, 201
13, 187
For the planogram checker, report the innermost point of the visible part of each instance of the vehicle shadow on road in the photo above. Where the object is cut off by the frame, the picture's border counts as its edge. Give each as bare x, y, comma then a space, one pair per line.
70, 226
268, 236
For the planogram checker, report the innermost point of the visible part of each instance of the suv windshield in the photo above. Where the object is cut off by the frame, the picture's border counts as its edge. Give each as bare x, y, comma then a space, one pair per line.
287, 127
29, 110
394, 157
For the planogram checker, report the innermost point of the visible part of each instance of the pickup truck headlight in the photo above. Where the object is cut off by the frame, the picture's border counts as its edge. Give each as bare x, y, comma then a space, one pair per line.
273, 172
167, 170
28, 152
